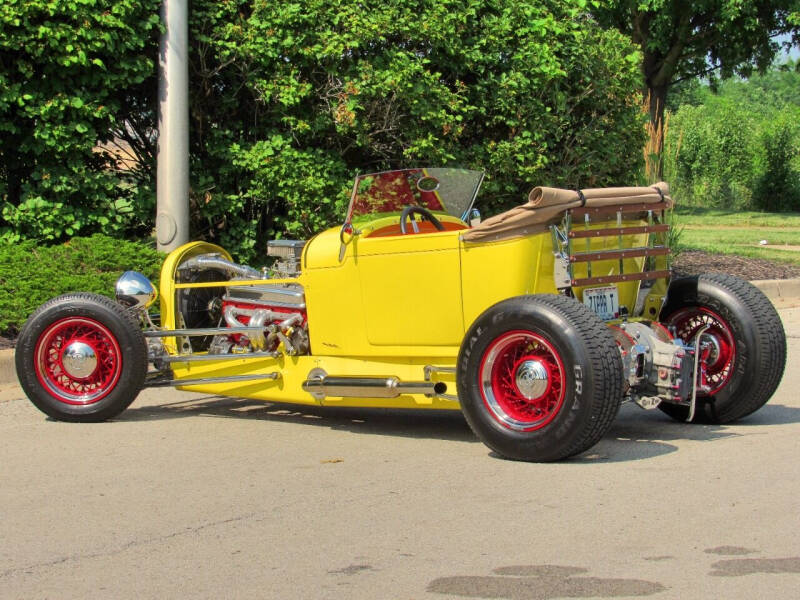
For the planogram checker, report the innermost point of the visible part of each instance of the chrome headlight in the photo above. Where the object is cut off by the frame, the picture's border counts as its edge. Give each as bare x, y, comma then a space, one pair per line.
134, 290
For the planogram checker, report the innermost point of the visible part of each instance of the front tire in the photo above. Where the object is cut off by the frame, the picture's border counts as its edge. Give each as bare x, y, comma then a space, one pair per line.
81, 357
539, 378
744, 352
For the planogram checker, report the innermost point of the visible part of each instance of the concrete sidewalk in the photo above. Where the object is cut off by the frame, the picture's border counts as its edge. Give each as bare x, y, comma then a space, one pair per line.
784, 293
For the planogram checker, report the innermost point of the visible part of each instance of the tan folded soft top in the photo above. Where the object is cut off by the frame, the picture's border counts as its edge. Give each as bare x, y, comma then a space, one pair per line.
546, 206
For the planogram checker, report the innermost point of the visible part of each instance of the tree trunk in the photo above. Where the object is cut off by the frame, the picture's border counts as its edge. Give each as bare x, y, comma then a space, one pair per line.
654, 164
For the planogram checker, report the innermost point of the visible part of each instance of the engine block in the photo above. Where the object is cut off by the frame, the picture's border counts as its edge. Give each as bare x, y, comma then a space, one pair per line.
279, 309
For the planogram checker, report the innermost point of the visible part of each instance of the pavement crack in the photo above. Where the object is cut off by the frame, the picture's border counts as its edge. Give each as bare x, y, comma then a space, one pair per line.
129, 545
10, 400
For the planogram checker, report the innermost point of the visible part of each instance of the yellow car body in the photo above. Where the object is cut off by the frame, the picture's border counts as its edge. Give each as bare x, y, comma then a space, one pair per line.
392, 305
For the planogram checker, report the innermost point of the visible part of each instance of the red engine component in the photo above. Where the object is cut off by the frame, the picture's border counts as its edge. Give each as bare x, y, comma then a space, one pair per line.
279, 309
283, 324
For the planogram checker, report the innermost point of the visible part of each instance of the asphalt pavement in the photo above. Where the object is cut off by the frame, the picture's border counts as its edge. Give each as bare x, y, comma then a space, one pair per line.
192, 496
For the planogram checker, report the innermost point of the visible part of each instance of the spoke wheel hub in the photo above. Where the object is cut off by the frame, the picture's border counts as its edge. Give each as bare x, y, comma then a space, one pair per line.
532, 379
522, 380
716, 345
78, 360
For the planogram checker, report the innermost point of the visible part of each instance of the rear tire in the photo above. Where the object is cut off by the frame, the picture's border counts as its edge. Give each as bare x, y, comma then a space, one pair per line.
746, 340
81, 357
539, 378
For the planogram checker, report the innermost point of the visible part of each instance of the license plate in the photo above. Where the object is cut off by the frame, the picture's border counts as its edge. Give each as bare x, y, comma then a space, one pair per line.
604, 301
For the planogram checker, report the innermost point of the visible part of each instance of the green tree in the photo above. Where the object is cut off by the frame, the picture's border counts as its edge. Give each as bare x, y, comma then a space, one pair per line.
683, 40
69, 71
291, 99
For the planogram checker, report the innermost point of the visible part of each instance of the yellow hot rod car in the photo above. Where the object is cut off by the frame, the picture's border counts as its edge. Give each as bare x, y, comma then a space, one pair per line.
537, 323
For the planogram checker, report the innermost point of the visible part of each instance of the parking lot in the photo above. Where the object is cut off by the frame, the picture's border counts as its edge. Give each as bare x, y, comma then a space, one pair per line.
188, 495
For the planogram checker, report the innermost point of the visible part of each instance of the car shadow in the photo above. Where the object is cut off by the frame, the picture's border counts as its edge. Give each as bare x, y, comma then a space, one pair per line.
772, 414
434, 424
634, 435
638, 434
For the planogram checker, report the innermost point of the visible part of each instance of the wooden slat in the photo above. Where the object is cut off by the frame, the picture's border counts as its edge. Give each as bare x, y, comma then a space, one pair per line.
618, 278
593, 233
624, 253
615, 208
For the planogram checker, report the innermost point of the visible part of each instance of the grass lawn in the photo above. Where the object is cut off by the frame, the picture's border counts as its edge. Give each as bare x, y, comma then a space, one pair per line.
695, 215
739, 232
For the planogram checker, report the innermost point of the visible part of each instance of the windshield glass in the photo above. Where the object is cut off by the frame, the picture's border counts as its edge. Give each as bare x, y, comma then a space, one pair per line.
440, 190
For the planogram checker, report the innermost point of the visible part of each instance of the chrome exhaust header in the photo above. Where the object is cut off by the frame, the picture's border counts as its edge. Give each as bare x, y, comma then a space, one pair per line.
215, 261
320, 385
202, 331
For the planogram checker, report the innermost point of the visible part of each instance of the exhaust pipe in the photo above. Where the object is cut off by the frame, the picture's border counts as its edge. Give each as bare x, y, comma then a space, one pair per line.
215, 261
321, 386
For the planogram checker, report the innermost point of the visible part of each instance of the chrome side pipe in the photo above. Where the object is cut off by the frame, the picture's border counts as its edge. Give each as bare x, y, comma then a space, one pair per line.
209, 380
321, 386
188, 358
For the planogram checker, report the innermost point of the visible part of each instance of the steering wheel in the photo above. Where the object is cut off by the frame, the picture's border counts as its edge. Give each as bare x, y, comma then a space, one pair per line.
424, 213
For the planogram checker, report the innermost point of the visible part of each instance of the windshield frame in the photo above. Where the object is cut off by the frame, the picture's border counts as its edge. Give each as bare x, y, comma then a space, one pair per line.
424, 172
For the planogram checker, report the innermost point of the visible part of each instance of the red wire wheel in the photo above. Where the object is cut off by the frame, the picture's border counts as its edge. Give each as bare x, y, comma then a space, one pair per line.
717, 346
78, 360
539, 377
522, 380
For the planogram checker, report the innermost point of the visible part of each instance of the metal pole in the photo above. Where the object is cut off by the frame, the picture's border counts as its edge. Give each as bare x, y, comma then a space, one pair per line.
172, 179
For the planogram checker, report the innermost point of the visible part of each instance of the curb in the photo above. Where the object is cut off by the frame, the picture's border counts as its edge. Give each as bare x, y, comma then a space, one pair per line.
8, 374
784, 293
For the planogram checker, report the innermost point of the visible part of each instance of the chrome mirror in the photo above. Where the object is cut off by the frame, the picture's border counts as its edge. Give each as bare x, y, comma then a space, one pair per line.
346, 235
473, 218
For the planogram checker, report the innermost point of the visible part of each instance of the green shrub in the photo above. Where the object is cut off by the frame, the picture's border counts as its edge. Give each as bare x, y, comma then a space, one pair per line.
738, 148
74, 77
712, 162
778, 184
30, 275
